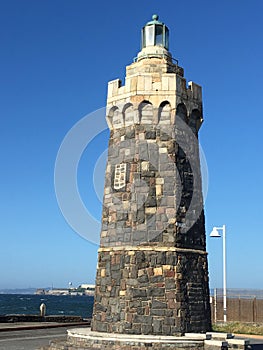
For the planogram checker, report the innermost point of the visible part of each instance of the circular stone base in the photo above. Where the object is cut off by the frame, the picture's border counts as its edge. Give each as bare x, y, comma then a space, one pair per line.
154, 52
84, 337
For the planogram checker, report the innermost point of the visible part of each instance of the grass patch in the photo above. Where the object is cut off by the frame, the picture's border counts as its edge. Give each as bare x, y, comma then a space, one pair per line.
239, 328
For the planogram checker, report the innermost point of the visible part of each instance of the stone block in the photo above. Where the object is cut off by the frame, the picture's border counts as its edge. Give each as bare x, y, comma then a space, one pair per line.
159, 181
141, 319
141, 83
150, 135
136, 292
169, 283
147, 329
148, 82
154, 292
158, 271
157, 326
150, 210
157, 304
159, 190
143, 279
135, 303
172, 304
165, 83
157, 312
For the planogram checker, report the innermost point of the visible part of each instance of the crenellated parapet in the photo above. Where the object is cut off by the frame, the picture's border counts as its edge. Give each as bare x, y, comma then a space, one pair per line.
154, 97
165, 86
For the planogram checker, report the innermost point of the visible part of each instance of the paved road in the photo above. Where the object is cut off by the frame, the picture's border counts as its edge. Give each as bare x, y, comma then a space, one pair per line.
30, 339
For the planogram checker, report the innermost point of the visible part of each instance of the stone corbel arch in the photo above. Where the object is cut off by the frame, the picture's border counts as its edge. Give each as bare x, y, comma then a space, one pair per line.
146, 112
109, 116
115, 118
128, 114
164, 113
181, 111
195, 120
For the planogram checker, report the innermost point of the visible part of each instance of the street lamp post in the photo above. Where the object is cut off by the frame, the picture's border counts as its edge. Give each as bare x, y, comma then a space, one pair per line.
216, 234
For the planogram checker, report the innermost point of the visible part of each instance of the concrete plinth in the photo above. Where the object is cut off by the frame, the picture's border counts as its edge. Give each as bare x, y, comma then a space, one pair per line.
111, 341
84, 338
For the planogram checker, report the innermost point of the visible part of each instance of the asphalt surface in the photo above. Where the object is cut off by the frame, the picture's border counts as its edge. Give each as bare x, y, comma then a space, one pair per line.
30, 339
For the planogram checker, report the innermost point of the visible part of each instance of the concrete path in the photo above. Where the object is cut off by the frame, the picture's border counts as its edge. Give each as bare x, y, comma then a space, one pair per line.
33, 335
30, 339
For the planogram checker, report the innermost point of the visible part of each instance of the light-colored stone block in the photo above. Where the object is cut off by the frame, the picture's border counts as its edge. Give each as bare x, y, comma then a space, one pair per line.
172, 83
150, 210
156, 86
158, 190
158, 271
134, 84
165, 83
159, 181
141, 136
145, 166
148, 82
140, 84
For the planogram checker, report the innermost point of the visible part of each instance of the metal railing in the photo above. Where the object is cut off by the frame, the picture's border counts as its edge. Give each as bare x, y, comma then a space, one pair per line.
242, 306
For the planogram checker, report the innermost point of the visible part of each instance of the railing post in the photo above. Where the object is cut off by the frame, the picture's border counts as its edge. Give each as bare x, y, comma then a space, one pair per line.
215, 305
239, 309
254, 309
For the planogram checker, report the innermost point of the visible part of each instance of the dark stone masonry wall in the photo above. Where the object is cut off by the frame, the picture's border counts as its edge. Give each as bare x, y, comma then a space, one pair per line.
152, 266
151, 291
160, 197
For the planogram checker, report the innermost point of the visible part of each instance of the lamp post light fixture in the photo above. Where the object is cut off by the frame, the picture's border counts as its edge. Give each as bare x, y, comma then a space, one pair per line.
216, 234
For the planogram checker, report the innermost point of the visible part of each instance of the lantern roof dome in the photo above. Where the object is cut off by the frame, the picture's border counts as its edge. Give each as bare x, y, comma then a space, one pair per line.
154, 20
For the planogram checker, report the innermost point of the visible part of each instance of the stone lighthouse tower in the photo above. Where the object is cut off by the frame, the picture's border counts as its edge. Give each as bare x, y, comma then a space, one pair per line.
152, 275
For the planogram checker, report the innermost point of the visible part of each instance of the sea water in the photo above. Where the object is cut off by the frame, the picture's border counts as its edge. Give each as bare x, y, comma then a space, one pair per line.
55, 305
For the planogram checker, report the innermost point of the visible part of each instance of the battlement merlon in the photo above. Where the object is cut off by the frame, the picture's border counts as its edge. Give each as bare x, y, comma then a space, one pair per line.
149, 86
196, 91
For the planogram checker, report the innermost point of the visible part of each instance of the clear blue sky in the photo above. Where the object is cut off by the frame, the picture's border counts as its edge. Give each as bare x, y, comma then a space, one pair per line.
56, 59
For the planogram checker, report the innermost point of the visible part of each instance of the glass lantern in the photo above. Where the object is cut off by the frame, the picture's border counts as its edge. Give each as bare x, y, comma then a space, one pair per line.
155, 33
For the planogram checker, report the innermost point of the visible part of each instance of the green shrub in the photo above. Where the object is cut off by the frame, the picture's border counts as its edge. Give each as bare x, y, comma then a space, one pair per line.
239, 328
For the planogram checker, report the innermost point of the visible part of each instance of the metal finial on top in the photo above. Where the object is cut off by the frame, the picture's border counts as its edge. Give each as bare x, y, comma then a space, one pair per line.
155, 17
